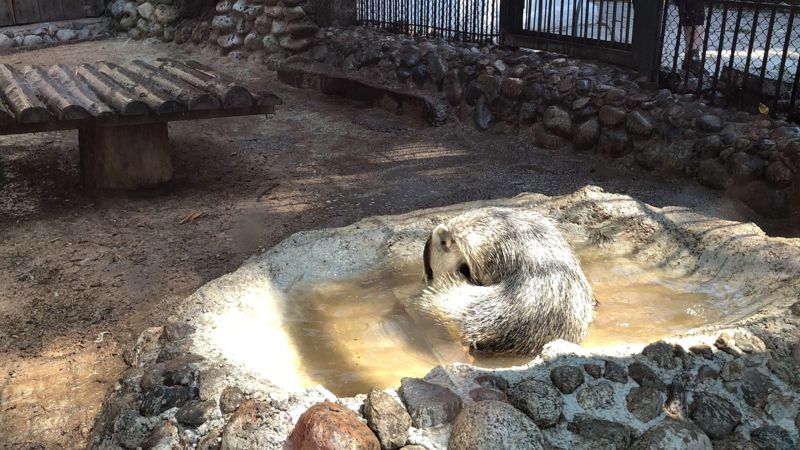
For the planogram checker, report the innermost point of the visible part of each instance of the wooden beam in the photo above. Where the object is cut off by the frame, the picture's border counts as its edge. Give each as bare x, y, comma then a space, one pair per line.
27, 11
50, 10
228, 91
6, 13
158, 101
194, 98
80, 91
6, 116
111, 93
58, 100
20, 98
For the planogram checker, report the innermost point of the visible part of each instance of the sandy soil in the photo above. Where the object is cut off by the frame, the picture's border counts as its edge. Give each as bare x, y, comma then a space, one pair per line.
82, 273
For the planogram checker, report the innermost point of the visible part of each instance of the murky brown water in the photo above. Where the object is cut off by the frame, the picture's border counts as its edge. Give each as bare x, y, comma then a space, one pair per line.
354, 335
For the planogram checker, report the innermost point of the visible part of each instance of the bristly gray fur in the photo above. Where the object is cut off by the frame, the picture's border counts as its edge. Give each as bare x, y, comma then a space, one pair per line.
505, 281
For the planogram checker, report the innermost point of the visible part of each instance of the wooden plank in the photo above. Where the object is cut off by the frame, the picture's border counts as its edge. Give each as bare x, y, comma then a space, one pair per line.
158, 100
20, 98
227, 90
61, 103
122, 121
195, 99
26, 11
93, 8
80, 91
111, 93
72, 9
6, 13
6, 116
50, 10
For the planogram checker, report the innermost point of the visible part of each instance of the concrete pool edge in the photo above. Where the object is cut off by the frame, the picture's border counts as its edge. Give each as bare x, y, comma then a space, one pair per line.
704, 244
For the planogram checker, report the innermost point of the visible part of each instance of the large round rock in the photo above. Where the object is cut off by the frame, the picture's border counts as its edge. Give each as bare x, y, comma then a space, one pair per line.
494, 425
673, 435
327, 425
541, 401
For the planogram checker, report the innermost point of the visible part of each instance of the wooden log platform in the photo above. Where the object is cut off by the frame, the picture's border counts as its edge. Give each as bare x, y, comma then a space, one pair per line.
122, 111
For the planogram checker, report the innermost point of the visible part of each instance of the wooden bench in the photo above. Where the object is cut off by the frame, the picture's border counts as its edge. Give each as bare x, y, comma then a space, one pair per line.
121, 112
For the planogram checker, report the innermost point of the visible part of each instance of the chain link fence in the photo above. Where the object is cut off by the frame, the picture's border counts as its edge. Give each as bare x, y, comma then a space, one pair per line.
459, 20
746, 53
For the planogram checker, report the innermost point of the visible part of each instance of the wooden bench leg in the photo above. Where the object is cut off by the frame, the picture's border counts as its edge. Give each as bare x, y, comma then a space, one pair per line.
125, 157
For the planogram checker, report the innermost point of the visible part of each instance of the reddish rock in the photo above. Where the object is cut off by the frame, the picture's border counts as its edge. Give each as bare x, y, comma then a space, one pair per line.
330, 426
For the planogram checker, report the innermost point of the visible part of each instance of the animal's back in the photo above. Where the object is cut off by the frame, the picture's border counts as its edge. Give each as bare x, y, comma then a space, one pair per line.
526, 286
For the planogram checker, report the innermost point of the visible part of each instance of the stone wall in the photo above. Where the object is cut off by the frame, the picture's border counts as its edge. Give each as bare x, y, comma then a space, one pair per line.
146, 18
562, 103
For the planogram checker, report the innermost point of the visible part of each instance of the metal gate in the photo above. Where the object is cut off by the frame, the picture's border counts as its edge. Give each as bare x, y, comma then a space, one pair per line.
20, 12
622, 32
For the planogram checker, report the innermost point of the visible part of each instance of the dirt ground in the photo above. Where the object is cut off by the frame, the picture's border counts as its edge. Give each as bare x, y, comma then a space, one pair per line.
81, 274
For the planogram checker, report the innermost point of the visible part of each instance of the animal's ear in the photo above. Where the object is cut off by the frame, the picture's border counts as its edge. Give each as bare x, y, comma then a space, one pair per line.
426, 260
442, 237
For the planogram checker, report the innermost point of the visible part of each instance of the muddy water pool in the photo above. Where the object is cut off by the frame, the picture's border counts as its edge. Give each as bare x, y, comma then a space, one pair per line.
353, 335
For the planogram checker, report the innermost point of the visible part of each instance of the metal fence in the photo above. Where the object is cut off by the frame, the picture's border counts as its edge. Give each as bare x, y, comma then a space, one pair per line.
460, 20
606, 23
749, 53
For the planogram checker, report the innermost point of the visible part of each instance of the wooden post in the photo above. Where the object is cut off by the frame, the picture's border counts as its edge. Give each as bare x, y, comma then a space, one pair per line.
646, 34
125, 157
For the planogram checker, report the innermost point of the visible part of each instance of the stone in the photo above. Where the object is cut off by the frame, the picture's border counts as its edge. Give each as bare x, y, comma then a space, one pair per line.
184, 374
454, 93
539, 400
601, 432
294, 45
483, 116
231, 399
131, 430
491, 381
779, 174
328, 425
615, 372
727, 344
437, 67
146, 10
645, 376
420, 74
162, 398
593, 370
587, 134
484, 393
387, 418
795, 309
410, 56
512, 88
223, 22
732, 370
164, 437
611, 116
756, 388
639, 124
662, 354
230, 41
490, 87
708, 146
165, 14
66, 34
705, 372
596, 396
557, 120
771, 437
195, 412
645, 403
615, 143
708, 123
429, 404
32, 40
615, 96
253, 41
711, 173
301, 30
263, 25
567, 378
494, 425
716, 416
210, 441
749, 343
673, 435
744, 166
294, 13
6, 42
257, 425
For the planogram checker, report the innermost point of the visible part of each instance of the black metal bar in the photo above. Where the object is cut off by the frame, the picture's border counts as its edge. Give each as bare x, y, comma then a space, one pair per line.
660, 50
588, 5
600, 19
561, 18
793, 98
765, 59
746, 75
719, 47
779, 82
614, 22
678, 35
733, 44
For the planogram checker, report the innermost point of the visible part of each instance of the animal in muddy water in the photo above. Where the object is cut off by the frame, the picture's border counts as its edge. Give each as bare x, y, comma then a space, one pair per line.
504, 281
